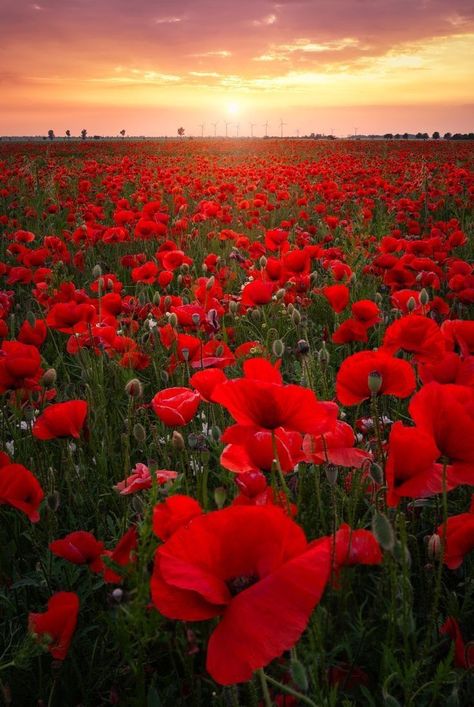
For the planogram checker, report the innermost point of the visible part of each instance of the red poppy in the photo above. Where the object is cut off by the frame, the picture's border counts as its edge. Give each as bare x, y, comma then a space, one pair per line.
463, 652
21, 489
248, 449
251, 565
80, 548
335, 447
446, 413
417, 335
397, 376
141, 479
356, 547
450, 369
176, 511
65, 316
366, 312
123, 555
348, 331
459, 535
176, 406
57, 624
257, 293
61, 420
33, 334
20, 366
261, 400
205, 381
337, 296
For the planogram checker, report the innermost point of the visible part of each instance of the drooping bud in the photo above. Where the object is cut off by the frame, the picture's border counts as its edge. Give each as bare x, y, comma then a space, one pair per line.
96, 271
302, 347
374, 381
134, 388
434, 547
263, 262
296, 317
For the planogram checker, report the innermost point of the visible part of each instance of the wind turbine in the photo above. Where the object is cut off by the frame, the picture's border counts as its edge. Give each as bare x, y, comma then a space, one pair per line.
265, 125
227, 123
297, 132
281, 127
215, 128
252, 125
237, 128
201, 125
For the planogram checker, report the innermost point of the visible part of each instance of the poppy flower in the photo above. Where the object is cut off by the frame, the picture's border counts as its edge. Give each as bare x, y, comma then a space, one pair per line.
65, 316
205, 381
261, 400
417, 335
348, 331
463, 652
446, 413
176, 406
335, 447
459, 534
21, 489
257, 293
61, 420
450, 369
337, 296
253, 567
356, 547
397, 376
33, 334
123, 555
141, 479
176, 511
57, 624
248, 449
20, 366
80, 548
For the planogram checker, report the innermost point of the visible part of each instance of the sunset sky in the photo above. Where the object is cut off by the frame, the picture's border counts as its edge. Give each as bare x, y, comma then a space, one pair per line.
317, 65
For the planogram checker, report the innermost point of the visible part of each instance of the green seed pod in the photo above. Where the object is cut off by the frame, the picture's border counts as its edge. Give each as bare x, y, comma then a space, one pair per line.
278, 348
134, 388
299, 675
139, 432
220, 495
30, 318
374, 381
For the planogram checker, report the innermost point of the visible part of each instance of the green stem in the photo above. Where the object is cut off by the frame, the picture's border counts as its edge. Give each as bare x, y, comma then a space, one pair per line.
265, 691
290, 691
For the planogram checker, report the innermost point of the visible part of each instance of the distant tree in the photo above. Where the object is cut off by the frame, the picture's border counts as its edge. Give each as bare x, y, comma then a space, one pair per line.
83, 133
447, 136
51, 134
397, 136
405, 136
180, 132
68, 133
435, 135
388, 136
122, 132
424, 136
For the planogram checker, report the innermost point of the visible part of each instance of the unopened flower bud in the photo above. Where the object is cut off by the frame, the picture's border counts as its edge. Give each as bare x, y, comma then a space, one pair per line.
323, 355
278, 348
296, 317
424, 297
30, 318
195, 318
233, 307
376, 473
220, 495
117, 595
256, 315
434, 547
215, 433
411, 304
179, 280
331, 472
374, 381
177, 440
49, 377
173, 320
53, 501
279, 294
96, 271
302, 347
134, 388
156, 299
139, 432
263, 262
210, 283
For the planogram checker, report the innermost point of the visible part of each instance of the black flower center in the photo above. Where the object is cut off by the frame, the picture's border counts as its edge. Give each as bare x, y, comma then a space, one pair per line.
239, 584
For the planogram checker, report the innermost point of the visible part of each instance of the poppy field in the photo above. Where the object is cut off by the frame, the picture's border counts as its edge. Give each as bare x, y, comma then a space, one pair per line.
237, 425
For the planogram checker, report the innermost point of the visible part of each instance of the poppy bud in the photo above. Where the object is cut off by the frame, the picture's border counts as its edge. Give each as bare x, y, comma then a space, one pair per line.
134, 388
298, 674
184, 268
411, 304
96, 271
52, 501
109, 284
256, 315
374, 381
278, 348
117, 595
195, 318
383, 531
263, 261
167, 302
296, 317
185, 354
101, 283
434, 547
424, 297
376, 473
49, 378
179, 280
323, 355
164, 377
280, 293
31, 319
378, 298
177, 440
139, 432
156, 299
215, 433
233, 307
210, 283
220, 495
173, 320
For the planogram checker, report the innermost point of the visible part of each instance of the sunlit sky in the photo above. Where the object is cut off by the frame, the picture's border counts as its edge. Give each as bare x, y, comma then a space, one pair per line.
330, 66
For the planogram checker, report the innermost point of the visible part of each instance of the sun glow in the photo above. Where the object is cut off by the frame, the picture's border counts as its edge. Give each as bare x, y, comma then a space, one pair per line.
233, 108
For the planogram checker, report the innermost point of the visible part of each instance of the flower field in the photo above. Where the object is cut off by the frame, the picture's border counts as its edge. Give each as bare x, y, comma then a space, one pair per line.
237, 427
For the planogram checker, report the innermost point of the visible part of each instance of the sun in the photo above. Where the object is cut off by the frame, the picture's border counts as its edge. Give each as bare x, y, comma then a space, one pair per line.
233, 108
